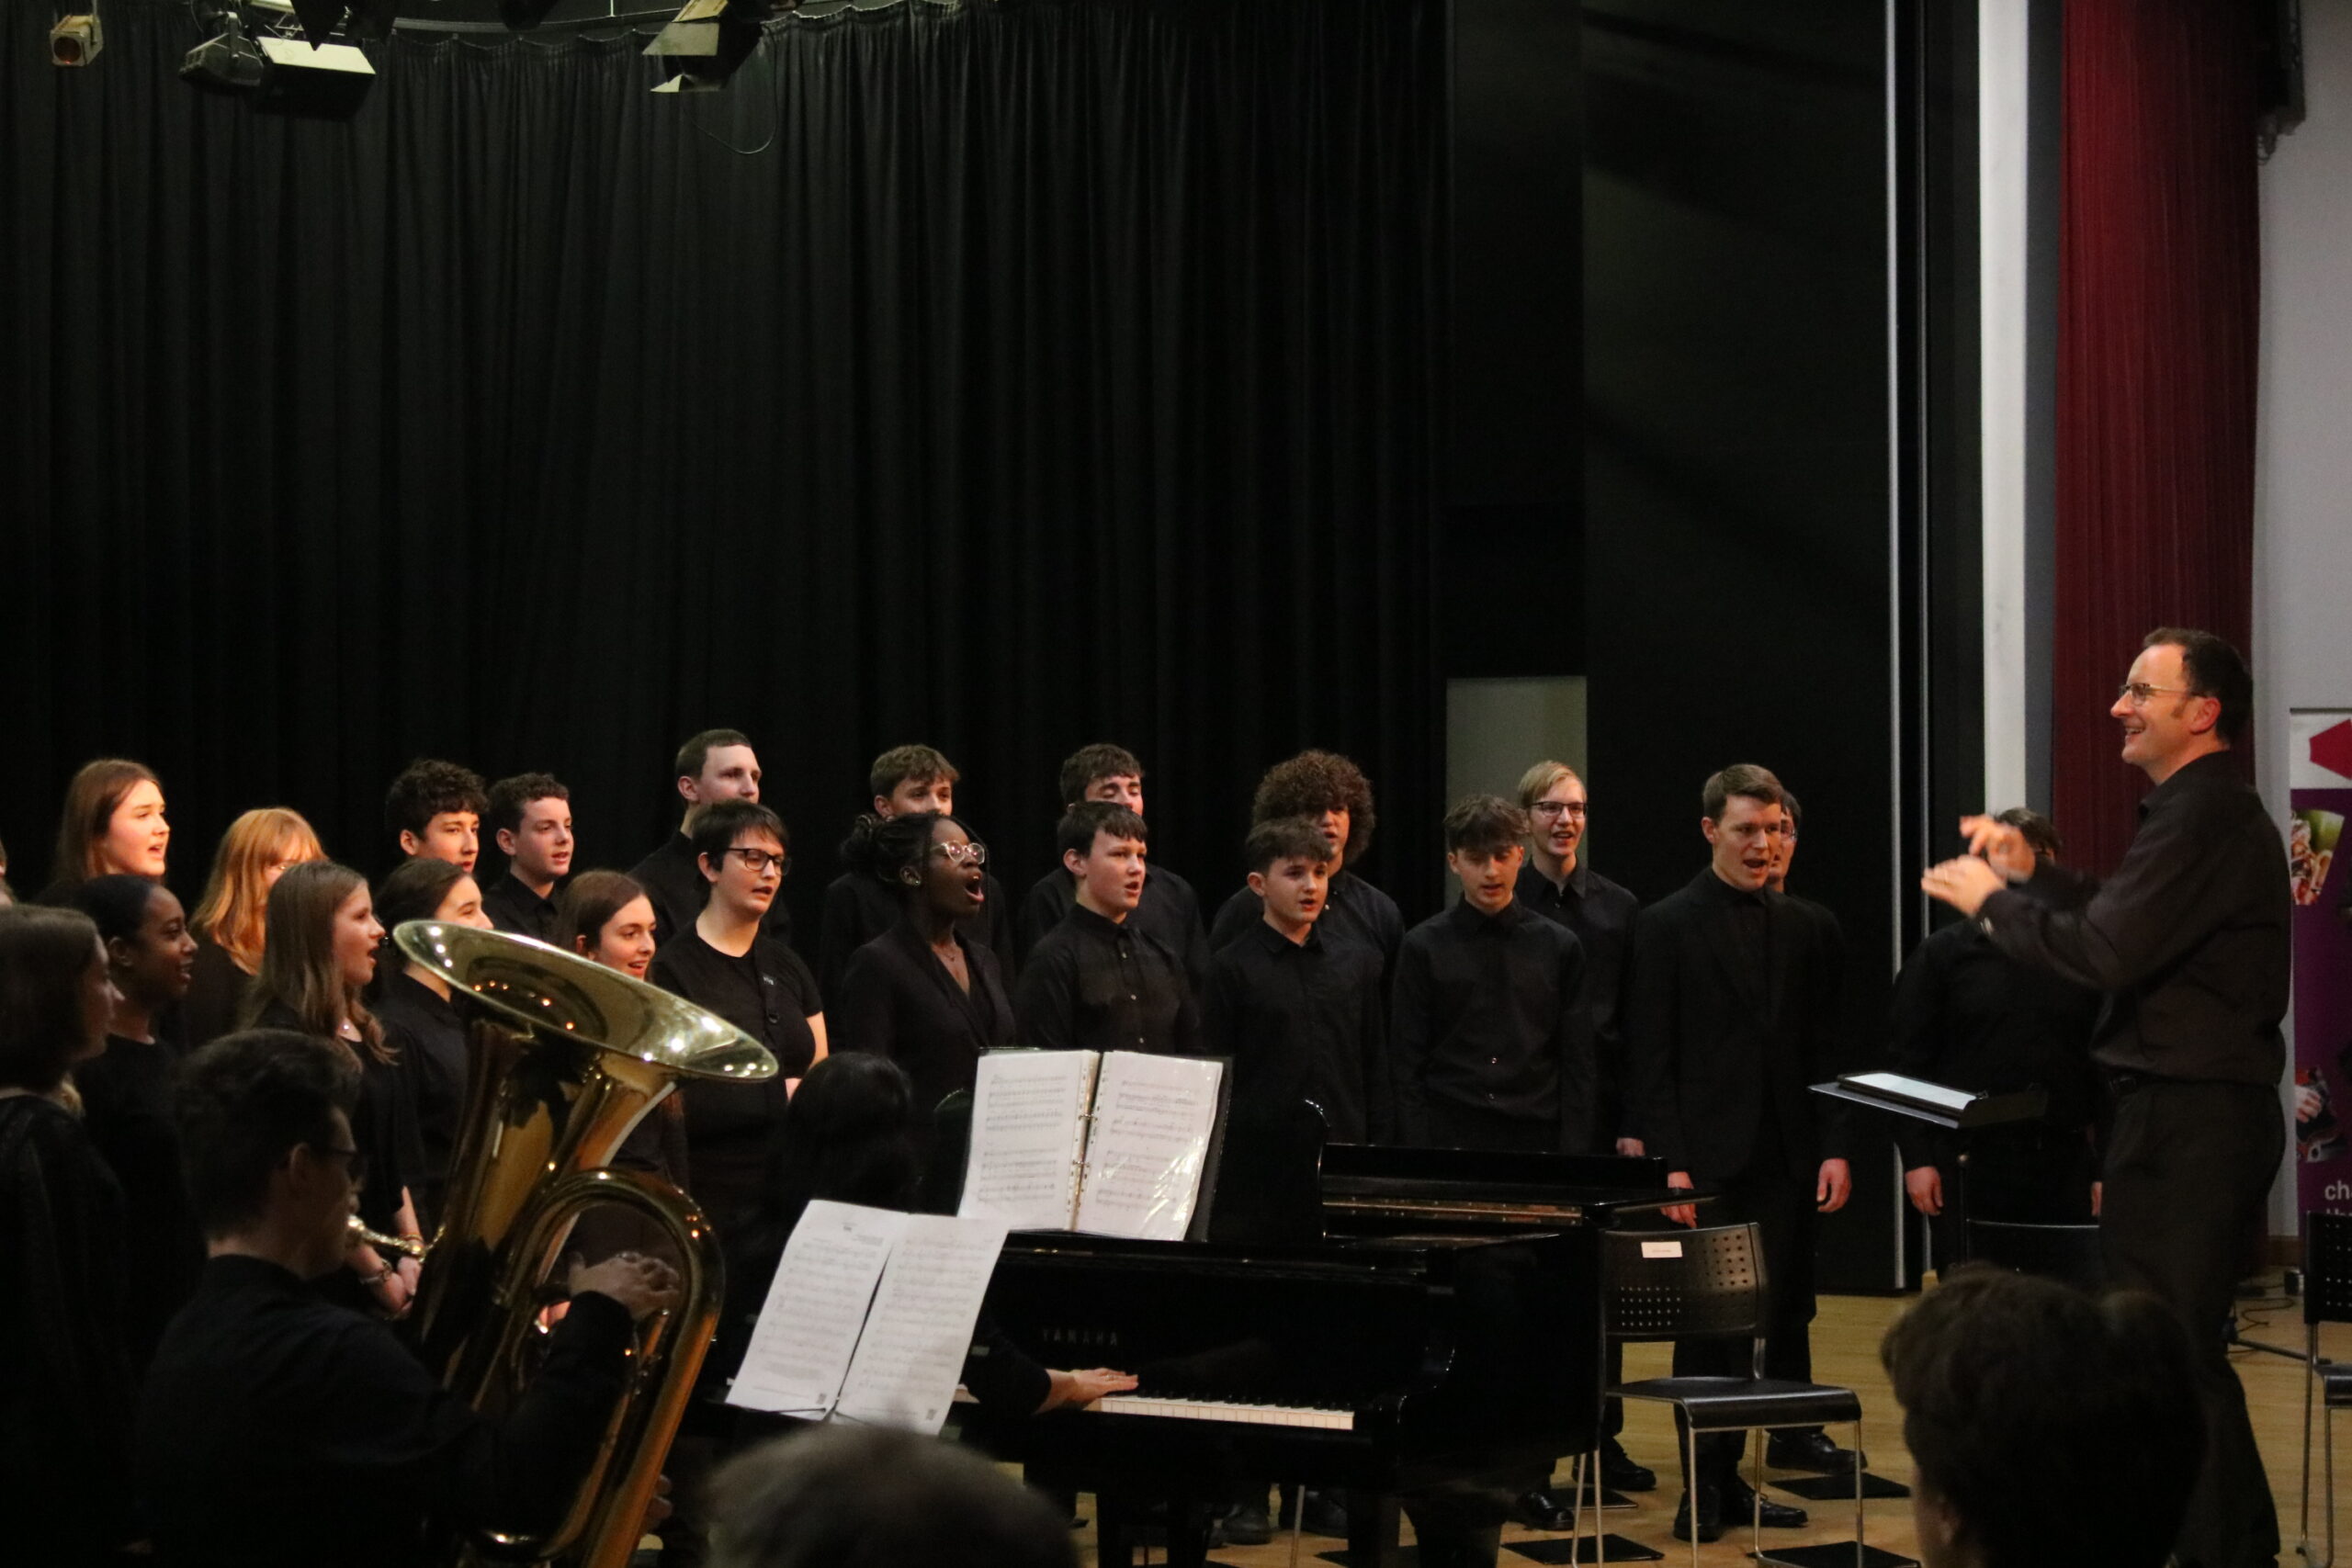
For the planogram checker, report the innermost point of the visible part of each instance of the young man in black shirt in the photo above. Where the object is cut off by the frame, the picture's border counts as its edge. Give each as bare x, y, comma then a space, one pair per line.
716, 765
1097, 983
434, 808
1728, 1020
1170, 910
277, 1430
858, 909
1334, 791
530, 819
2189, 941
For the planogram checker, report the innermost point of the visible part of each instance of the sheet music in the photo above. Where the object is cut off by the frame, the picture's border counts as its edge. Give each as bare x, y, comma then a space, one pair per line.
907, 1366
1028, 1110
809, 1327
1153, 1117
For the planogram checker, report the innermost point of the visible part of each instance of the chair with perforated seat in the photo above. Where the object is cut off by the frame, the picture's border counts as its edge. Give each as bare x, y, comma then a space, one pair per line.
2327, 1298
1695, 1284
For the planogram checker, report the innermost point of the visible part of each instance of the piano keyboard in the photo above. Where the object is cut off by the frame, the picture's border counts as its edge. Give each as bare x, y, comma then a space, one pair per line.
1214, 1410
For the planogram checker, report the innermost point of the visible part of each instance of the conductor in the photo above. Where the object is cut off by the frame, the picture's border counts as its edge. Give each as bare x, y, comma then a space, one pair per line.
2188, 941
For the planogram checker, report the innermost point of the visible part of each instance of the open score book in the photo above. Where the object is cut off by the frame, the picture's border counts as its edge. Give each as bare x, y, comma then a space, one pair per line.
1114, 1143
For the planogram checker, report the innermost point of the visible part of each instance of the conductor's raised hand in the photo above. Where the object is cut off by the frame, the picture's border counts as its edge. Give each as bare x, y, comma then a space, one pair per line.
1964, 884
1999, 845
642, 1285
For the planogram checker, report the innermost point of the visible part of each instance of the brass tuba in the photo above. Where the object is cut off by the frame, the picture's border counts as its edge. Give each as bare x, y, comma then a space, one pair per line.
565, 1056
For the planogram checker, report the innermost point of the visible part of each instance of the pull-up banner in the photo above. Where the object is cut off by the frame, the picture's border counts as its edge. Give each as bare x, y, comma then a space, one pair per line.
2320, 780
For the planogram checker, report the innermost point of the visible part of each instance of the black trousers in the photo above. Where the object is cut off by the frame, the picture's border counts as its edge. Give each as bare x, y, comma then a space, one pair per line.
1781, 1205
2188, 1170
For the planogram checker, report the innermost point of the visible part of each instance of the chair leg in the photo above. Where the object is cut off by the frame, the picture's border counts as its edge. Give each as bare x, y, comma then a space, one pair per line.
1860, 1557
1690, 1483
1755, 1493
2310, 1378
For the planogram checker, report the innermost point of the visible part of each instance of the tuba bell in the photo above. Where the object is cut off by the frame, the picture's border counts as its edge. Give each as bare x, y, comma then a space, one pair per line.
565, 1056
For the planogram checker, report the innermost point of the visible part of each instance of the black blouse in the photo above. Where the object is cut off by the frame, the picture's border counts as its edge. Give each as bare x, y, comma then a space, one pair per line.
899, 1001
384, 1126
429, 1038
216, 995
127, 1109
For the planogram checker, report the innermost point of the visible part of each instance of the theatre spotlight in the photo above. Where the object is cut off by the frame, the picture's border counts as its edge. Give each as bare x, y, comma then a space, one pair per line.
703, 44
325, 81
76, 40
229, 63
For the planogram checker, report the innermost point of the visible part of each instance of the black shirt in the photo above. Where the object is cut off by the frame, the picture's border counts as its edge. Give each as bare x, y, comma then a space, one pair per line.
1302, 1021
1097, 984
1353, 911
860, 907
1601, 914
1170, 910
277, 1428
732, 1128
216, 994
127, 1108
2189, 939
674, 884
430, 1038
898, 1000
1969, 1015
512, 906
382, 1126
1488, 1012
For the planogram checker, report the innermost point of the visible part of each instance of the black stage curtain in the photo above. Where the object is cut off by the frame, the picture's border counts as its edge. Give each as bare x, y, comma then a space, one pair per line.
1008, 377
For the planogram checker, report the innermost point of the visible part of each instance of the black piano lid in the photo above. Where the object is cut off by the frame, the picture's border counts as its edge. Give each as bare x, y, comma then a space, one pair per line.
1598, 1184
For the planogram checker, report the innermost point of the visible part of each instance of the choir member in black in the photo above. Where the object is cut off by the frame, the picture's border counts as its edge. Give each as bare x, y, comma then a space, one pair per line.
858, 909
1726, 1025
1299, 1015
1096, 983
321, 954
434, 808
716, 765
1969, 1015
127, 1094
65, 1370
1557, 883
924, 993
279, 1430
113, 824
530, 820
606, 918
422, 1030
229, 920
2189, 942
1170, 910
1333, 790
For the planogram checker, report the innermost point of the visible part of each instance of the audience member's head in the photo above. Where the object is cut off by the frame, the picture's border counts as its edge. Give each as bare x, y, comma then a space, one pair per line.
606, 916
321, 954
912, 778
862, 1497
113, 823
1327, 787
255, 853
265, 1138
434, 808
716, 765
2028, 1405
849, 1135
1104, 772
55, 997
149, 950
530, 820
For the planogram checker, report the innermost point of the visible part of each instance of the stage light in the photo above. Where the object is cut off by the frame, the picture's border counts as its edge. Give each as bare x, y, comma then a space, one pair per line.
703, 44
75, 40
229, 63
325, 81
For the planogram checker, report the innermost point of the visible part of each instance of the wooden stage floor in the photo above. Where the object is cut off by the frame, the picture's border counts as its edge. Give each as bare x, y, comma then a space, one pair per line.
1845, 1338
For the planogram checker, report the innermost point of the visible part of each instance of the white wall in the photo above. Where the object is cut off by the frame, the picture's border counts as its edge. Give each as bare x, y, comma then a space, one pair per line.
2303, 527
1495, 730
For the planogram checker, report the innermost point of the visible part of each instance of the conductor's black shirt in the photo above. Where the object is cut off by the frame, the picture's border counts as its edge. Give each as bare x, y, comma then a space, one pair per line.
1101, 984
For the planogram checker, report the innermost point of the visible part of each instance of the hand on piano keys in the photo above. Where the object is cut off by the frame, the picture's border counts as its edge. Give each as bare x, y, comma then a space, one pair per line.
1083, 1387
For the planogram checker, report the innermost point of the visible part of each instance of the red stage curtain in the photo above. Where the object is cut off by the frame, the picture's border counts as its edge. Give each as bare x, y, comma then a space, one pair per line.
2159, 299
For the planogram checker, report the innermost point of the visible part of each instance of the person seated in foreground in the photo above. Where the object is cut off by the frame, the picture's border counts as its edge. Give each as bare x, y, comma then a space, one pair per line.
2025, 1401
278, 1428
861, 1497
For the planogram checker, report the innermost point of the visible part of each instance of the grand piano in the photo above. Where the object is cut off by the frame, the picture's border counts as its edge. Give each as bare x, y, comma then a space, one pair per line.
1399, 1323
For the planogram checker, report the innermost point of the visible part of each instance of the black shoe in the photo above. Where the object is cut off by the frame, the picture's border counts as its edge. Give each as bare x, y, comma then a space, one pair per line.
1543, 1509
1249, 1525
1326, 1515
1711, 1516
1740, 1503
1619, 1474
1811, 1450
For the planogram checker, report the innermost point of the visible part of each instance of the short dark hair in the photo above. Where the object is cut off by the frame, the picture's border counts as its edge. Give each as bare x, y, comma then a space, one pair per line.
1074, 834
1740, 778
1484, 822
414, 890
688, 764
510, 797
720, 824
852, 1497
2040, 833
426, 788
116, 905
1284, 837
1100, 760
587, 906
44, 953
899, 763
2023, 1397
244, 1102
1312, 782
2214, 669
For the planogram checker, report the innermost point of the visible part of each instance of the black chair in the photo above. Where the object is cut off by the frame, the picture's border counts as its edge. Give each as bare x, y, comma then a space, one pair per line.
2327, 1298
2066, 1252
1696, 1284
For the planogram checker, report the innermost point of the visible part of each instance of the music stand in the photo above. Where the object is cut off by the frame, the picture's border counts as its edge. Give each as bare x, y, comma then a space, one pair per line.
1941, 1105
